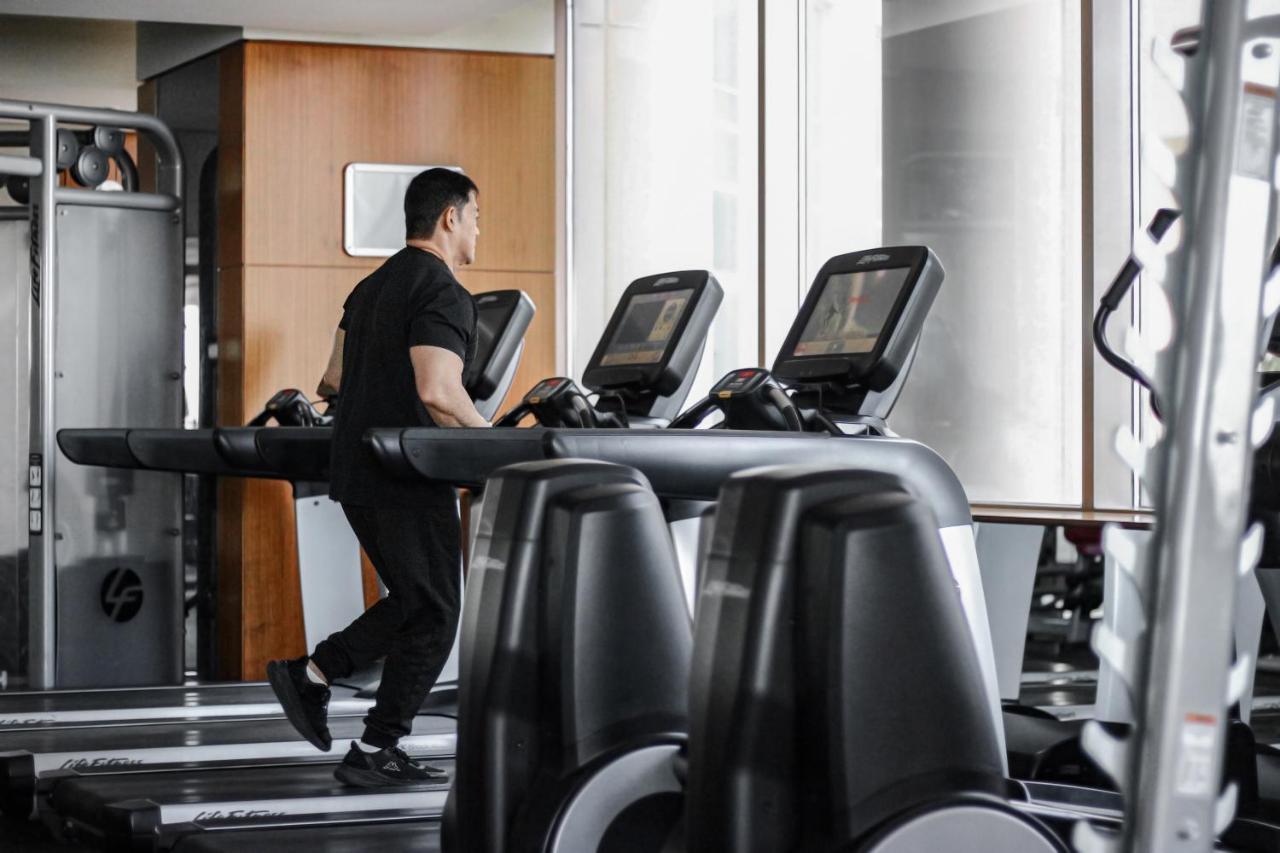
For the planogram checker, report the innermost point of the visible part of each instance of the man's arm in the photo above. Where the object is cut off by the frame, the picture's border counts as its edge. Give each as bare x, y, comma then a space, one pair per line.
438, 374
332, 379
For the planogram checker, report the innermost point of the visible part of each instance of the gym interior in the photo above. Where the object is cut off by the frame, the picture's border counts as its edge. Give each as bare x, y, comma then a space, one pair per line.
852, 428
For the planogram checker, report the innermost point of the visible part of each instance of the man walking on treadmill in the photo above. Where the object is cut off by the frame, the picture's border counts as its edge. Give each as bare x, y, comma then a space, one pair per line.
406, 338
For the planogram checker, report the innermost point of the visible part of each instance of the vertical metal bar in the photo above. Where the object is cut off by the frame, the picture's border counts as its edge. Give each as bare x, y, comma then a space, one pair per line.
565, 283
40, 556
802, 149
1138, 17
1087, 500
761, 200
1183, 667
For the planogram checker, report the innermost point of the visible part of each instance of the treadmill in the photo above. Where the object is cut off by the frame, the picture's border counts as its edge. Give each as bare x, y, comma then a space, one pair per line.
661, 323
682, 466
503, 318
62, 735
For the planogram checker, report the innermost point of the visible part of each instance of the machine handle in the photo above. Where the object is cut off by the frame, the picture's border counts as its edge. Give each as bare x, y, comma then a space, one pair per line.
514, 416
690, 418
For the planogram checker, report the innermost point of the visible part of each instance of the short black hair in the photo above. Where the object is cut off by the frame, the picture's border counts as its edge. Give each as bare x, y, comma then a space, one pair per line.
430, 194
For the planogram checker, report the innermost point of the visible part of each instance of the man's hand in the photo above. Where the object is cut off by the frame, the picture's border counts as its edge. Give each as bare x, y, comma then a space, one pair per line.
332, 379
438, 374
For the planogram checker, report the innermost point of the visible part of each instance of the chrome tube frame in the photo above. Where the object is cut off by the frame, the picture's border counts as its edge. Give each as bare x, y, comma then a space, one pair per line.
1177, 665
46, 196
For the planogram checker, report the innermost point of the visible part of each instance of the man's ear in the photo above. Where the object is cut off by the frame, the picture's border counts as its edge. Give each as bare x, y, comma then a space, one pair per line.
449, 218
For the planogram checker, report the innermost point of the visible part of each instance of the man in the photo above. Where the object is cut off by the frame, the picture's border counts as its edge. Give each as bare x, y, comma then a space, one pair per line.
406, 337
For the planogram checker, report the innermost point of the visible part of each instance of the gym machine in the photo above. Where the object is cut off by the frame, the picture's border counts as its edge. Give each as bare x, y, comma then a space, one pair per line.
93, 551
676, 319
644, 364
204, 726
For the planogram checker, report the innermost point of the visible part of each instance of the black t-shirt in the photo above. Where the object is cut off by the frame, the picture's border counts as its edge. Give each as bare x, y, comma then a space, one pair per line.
412, 299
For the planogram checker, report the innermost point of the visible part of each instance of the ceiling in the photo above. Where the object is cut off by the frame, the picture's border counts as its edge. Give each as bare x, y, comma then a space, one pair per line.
361, 18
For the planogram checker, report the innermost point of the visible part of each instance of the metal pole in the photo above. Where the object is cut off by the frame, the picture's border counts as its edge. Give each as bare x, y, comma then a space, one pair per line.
15, 165
44, 292
1178, 665
169, 156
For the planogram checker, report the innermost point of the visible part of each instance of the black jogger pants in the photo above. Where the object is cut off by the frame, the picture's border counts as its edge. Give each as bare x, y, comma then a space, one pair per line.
417, 553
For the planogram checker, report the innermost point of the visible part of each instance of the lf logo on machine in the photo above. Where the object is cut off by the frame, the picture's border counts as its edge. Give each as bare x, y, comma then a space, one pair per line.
121, 594
91, 763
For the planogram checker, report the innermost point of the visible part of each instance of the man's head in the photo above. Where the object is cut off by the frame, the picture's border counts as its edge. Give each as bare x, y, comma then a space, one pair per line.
440, 208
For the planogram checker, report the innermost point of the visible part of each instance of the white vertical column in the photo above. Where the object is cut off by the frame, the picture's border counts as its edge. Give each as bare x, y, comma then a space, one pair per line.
564, 184
782, 177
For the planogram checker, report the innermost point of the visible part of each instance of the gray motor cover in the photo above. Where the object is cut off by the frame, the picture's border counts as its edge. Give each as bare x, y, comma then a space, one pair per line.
834, 684
575, 644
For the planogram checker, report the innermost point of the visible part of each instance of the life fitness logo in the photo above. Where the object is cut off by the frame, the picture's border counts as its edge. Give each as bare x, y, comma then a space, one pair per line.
121, 594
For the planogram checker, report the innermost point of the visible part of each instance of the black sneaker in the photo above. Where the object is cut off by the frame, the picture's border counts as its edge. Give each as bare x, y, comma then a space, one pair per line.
305, 702
384, 768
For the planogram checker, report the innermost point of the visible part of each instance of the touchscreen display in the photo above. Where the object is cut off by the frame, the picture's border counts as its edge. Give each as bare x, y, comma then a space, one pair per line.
851, 312
488, 323
646, 328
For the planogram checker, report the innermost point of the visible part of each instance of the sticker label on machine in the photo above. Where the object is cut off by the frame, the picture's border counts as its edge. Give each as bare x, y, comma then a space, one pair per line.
1195, 763
1257, 120
35, 494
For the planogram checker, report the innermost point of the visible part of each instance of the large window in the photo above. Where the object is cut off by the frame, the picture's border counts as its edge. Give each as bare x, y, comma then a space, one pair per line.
664, 161
957, 126
1000, 133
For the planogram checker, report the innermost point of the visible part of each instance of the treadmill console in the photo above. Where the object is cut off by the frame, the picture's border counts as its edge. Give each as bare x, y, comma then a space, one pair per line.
502, 318
558, 402
749, 398
550, 389
859, 325
651, 347
290, 407
744, 381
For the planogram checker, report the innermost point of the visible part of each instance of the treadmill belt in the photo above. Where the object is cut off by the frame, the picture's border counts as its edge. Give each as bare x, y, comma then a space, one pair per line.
170, 735
110, 707
406, 837
210, 796
39, 759
192, 734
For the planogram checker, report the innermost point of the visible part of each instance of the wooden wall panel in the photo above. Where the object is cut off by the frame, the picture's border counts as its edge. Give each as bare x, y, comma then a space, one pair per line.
312, 109
292, 117
231, 402
255, 622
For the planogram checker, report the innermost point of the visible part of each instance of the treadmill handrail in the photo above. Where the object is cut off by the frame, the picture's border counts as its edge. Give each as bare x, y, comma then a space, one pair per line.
679, 465
107, 448
185, 451
301, 452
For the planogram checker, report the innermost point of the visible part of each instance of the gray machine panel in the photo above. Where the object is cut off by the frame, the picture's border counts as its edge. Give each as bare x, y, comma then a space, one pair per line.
118, 546
15, 403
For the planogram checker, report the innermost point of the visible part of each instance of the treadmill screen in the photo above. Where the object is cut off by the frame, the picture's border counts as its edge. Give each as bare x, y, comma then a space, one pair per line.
488, 321
851, 312
646, 328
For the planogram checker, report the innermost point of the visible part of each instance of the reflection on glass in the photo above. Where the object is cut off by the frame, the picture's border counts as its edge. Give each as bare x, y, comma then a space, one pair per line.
646, 327
851, 312
956, 125
664, 159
